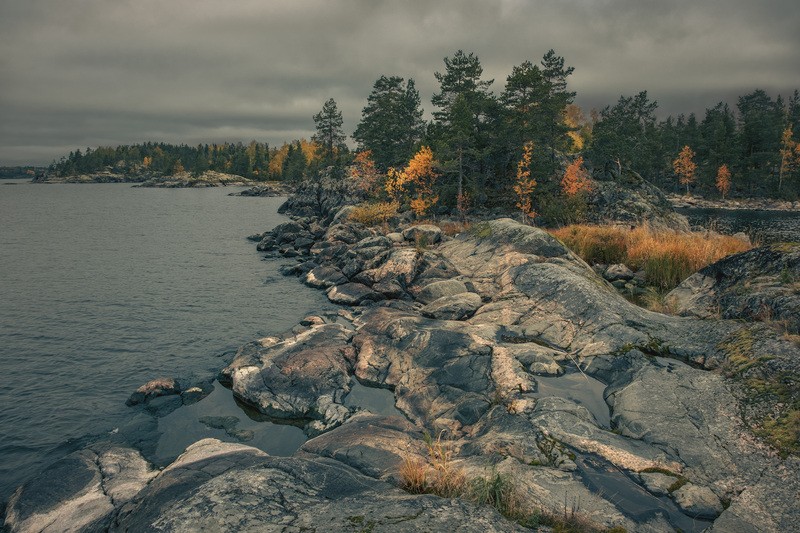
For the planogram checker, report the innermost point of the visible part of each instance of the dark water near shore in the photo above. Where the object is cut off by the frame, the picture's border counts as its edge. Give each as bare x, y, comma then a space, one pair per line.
104, 287
763, 227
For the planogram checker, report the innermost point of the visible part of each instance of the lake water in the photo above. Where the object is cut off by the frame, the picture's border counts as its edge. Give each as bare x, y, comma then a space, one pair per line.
104, 287
763, 227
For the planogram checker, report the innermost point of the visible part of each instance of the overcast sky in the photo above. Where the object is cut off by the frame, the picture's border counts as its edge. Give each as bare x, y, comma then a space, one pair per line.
81, 73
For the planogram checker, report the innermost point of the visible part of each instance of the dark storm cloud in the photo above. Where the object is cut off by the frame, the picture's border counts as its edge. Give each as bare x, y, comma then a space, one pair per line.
90, 72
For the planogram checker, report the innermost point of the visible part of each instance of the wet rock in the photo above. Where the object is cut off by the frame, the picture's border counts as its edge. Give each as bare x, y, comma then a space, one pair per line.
79, 492
303, 378
322, 277
163, 405
153, 389
456, 307
696, 501
353, 294
228, 424
196, 392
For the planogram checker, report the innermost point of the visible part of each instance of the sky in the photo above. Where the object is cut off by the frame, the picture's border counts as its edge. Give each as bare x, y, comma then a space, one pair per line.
87, 73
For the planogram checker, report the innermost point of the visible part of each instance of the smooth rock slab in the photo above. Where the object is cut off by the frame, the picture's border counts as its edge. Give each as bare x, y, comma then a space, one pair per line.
456, 307
79, 492
225, 487
438, 289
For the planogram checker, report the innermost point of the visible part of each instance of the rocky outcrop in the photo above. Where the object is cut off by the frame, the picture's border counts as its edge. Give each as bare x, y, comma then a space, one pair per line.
266, 190
760, 284
210, 178
679, 423
625, 197
321, 197
81, 492
757, 204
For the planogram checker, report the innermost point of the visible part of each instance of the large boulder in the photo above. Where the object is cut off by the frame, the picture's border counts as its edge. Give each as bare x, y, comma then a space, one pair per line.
353, 294
760, 284
303, 378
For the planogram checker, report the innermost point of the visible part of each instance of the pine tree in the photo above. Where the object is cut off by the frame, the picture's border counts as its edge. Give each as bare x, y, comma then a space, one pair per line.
329, 136
462, 123
391, 123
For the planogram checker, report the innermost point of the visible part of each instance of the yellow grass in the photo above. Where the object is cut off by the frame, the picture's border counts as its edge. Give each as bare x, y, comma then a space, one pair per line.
373, 214
667, 257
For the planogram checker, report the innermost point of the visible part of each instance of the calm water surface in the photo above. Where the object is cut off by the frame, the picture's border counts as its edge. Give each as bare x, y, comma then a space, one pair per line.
763, 227
104, 287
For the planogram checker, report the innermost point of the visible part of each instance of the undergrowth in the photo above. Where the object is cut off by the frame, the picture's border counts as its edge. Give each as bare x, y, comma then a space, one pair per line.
667, 257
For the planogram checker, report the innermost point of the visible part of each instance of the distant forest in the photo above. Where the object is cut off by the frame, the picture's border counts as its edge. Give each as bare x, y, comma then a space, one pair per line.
478, 139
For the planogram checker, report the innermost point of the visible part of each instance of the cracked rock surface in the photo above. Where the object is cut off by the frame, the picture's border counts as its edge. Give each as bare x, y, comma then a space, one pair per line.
681, 451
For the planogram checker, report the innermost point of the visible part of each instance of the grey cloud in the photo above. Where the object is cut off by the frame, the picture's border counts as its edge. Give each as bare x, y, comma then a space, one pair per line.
90, 72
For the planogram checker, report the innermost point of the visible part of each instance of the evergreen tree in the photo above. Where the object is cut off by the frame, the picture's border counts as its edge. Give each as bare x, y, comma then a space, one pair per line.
329, 136
760, 128
558, 97
626, 135
461, 128
717, 146
391, 123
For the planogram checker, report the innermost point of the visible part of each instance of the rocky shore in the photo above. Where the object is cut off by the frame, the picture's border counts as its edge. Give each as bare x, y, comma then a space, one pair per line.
150, 179
757, 204
676, 422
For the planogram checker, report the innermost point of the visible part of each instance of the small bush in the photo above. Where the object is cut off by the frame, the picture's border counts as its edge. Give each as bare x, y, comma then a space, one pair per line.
373, 214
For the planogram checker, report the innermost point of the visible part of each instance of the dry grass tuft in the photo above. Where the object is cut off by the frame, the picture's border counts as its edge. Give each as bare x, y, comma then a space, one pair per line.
454, 228
667, 257
374, 214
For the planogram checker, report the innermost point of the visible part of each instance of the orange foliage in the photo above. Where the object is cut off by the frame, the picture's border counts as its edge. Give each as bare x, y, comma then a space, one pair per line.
279, 155
415, 182
364, 174
147, 161
723, 180
790, 155
525, 184
685, 166
576, 178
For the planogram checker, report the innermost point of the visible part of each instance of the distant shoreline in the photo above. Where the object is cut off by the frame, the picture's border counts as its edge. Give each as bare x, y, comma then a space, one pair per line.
738, 204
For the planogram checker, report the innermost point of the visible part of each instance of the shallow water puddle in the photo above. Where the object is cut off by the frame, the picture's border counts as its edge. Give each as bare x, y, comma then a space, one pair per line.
219, 416
579, 388
373, 399
630, 498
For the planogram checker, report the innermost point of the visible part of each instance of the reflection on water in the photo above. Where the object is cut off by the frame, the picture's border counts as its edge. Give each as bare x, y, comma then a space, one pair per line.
373, 399
219, 416
579, 388
763, 227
